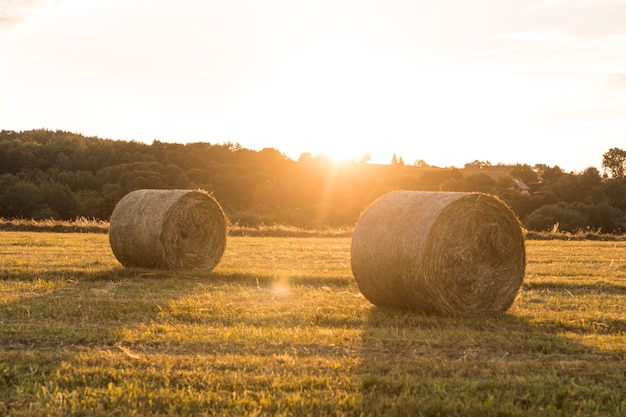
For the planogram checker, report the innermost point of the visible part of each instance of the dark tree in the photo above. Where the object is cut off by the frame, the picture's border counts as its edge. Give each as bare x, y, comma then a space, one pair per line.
525, 172
549, 174
614, 161
60, 174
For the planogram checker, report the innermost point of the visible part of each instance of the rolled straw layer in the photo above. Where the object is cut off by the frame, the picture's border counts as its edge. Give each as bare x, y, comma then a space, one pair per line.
168, 229
439, 253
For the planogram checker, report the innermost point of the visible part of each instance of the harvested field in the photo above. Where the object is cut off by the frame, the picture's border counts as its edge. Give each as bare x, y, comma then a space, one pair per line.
279, 327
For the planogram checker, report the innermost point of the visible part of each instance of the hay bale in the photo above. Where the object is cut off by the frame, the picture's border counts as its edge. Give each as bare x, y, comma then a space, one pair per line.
168, 229
439, 253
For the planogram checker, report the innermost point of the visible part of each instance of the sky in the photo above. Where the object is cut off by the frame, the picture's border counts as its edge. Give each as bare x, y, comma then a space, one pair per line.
443, 81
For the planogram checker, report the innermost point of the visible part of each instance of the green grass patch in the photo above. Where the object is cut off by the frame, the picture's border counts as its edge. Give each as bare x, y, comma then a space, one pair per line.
280, 328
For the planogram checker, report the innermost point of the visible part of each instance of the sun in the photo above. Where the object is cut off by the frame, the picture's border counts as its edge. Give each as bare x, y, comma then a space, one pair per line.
346, 100
342, 154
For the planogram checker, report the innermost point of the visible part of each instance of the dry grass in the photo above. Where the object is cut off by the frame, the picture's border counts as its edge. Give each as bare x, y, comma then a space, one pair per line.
279, 328
85, 225
79, 225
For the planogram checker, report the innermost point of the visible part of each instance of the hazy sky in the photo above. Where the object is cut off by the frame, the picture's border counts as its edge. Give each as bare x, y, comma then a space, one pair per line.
445, 81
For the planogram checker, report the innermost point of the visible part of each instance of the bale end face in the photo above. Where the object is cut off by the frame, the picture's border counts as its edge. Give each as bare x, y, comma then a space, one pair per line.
168, 229
439, 252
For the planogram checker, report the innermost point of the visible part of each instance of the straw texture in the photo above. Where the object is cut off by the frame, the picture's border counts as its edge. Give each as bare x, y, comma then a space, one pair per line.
439, 253
171, 229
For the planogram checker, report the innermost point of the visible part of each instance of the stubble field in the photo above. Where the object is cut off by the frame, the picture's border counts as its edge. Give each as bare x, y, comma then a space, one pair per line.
280, 328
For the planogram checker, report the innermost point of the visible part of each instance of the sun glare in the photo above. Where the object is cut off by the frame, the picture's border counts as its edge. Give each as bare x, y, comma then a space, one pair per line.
348, 100
325, 78
325, 100
280, 287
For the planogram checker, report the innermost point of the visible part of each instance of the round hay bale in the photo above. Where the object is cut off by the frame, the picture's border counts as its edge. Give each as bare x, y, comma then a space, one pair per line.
439, 253
172, 229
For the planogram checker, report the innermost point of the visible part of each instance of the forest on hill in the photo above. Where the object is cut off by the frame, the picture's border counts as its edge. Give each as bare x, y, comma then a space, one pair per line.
62, 175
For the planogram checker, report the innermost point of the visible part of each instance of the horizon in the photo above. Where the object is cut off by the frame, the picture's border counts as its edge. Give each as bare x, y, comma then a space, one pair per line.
543, 82
334, 161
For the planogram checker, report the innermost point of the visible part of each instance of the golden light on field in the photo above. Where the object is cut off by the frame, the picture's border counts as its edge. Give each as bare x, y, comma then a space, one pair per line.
280, 287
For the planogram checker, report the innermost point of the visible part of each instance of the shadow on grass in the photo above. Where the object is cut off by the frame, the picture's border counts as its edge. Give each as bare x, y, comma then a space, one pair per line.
91, 308
82, 322
575, 288
423, 365
408, 364
190, 276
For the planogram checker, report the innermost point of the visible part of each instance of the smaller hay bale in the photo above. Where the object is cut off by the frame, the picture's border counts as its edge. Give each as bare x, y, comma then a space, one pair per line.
172, 229
439, 252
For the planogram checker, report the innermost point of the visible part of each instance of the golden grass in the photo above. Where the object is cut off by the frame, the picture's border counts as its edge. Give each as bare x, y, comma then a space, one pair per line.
279, 328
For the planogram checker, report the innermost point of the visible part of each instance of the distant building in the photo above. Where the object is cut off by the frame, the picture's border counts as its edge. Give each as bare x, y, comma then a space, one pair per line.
520, 186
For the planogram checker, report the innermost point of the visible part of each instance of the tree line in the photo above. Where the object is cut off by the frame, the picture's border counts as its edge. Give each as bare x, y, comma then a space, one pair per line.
62, 175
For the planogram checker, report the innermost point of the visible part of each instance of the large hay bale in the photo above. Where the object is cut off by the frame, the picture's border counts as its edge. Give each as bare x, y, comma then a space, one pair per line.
439, 253
168, 229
